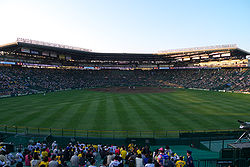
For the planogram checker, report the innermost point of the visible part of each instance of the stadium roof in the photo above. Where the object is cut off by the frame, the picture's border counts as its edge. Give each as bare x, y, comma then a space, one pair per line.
168, 55
78, 53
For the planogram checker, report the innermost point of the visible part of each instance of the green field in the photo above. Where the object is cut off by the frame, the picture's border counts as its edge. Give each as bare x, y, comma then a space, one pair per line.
89, 110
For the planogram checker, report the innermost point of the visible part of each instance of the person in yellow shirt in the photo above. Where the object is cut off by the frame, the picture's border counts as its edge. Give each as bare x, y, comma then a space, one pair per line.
123, 153
44, 162
180, 163
138, 151
37, 151
59, 160
96, 147
44, 153
131, 146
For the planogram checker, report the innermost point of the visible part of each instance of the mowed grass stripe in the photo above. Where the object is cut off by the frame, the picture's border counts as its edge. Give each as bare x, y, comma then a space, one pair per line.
228, 115
190, 113
27, 120
113, 114
172, 109
125, 121
204, 108
190, 107
147, 110
159, 111
76, 120
44, 114
54, 117
180, 110
151, 112
100, 116
9, 112
217, 109
175, 106
140, 113
88, 120
21, 114
66, 116
224, 100
170, 112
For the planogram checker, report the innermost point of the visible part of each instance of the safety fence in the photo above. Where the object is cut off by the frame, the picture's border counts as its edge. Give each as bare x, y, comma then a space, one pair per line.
119, 133
242, 162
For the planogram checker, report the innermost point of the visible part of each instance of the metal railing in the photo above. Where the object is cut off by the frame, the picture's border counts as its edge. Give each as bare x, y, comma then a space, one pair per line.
111, 133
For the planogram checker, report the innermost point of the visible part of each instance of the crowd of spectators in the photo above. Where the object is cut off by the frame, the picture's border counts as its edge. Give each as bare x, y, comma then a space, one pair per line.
17, 80
79, 154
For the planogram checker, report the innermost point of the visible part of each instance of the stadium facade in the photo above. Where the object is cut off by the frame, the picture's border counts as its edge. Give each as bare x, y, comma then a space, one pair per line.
38, 54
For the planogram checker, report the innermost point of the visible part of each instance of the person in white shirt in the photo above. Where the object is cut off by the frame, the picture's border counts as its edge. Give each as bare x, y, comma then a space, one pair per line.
30, 147
150, 163
53, 162
54, 144
92, 163
2, 163
19, 156
38, 144
114, 163
74, 160
138, 161
110, 158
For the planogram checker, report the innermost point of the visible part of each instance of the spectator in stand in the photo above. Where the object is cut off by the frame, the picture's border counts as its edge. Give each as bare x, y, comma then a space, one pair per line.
53, 162
150, 163
19, 164
35, 161
110, 157
83, 154
28, 158
44, 153
19, 156
74, 160
92, 163
2, 163
44, 162
10, 158
180, 163
168, 151
170, 162
190, 162
138, 161
123, 153
17, 80
115, 162
3, 158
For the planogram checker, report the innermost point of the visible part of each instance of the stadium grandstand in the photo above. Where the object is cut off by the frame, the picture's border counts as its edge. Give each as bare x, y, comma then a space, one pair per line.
32, 67
220, 67
27, 52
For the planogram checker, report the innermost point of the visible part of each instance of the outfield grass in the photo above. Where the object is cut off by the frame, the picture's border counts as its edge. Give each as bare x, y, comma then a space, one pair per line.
82, 109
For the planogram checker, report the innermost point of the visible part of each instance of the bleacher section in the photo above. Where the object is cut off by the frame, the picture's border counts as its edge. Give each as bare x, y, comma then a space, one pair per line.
17, 80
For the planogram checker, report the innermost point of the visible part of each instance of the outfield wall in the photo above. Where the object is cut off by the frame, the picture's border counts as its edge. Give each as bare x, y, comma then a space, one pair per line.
42, 92
121, 133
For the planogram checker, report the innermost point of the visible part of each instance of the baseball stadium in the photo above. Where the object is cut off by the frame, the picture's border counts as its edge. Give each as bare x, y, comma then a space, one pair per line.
191, 97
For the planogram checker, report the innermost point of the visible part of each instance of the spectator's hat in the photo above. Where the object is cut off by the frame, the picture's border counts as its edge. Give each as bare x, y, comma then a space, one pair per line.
189, 152
161, 149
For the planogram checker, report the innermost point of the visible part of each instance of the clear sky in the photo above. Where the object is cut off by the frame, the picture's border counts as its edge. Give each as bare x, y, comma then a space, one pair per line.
127, 26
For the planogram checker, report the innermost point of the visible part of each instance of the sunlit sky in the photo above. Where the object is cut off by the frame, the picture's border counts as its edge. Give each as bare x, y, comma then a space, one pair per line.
127, 26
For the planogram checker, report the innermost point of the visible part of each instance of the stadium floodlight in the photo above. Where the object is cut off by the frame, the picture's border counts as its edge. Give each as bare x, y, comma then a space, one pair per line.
245, 126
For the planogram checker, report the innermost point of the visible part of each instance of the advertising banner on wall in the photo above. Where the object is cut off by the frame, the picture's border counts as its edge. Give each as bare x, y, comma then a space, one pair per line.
53, 55
45, 53
25, 50
34, 52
